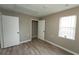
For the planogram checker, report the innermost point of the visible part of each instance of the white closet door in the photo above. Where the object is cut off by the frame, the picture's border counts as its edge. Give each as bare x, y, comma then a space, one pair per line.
41, 29
10, 30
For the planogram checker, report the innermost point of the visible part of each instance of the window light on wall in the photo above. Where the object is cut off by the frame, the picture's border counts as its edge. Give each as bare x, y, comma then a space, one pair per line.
67, 26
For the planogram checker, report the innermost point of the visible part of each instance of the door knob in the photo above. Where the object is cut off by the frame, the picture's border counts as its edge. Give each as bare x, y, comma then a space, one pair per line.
17, 32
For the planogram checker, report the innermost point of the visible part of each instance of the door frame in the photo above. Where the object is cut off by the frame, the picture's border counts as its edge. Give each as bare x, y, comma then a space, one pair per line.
32, 28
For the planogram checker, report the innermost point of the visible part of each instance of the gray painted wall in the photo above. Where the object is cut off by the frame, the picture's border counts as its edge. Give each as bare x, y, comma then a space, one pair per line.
0, 29
52, 28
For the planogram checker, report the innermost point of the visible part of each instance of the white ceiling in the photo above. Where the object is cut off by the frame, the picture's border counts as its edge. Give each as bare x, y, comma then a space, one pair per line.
38, 10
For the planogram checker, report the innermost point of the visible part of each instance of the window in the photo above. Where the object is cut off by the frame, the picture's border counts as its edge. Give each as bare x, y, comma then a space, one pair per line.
67, 26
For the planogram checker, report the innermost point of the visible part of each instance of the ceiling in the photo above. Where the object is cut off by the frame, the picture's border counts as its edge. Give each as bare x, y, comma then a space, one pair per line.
38, 10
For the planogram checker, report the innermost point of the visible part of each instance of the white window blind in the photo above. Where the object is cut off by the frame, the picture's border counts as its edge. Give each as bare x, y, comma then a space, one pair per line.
67, 26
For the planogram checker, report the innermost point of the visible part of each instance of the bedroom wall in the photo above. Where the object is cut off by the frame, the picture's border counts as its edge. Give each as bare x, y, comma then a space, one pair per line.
52, 28
0, 28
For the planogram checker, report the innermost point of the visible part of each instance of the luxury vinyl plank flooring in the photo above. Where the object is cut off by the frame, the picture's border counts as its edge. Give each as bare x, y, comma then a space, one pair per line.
34, 47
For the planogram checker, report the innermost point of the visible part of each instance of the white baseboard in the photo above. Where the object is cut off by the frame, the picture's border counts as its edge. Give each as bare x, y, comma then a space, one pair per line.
25, 41
61, 47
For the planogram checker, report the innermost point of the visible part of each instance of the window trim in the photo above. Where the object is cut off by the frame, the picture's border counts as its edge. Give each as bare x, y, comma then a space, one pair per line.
74, 27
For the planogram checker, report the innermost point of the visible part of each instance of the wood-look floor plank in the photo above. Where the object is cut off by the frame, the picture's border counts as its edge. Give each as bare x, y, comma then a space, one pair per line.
34, 47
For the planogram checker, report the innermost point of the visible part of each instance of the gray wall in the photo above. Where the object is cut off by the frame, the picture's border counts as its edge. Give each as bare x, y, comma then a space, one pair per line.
25, 24
0, 28
52, 28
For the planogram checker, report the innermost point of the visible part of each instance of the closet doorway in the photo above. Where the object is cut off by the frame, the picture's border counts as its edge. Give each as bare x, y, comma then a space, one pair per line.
34, 29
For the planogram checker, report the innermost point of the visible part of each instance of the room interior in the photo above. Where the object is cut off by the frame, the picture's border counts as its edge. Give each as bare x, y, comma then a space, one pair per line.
38, 29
